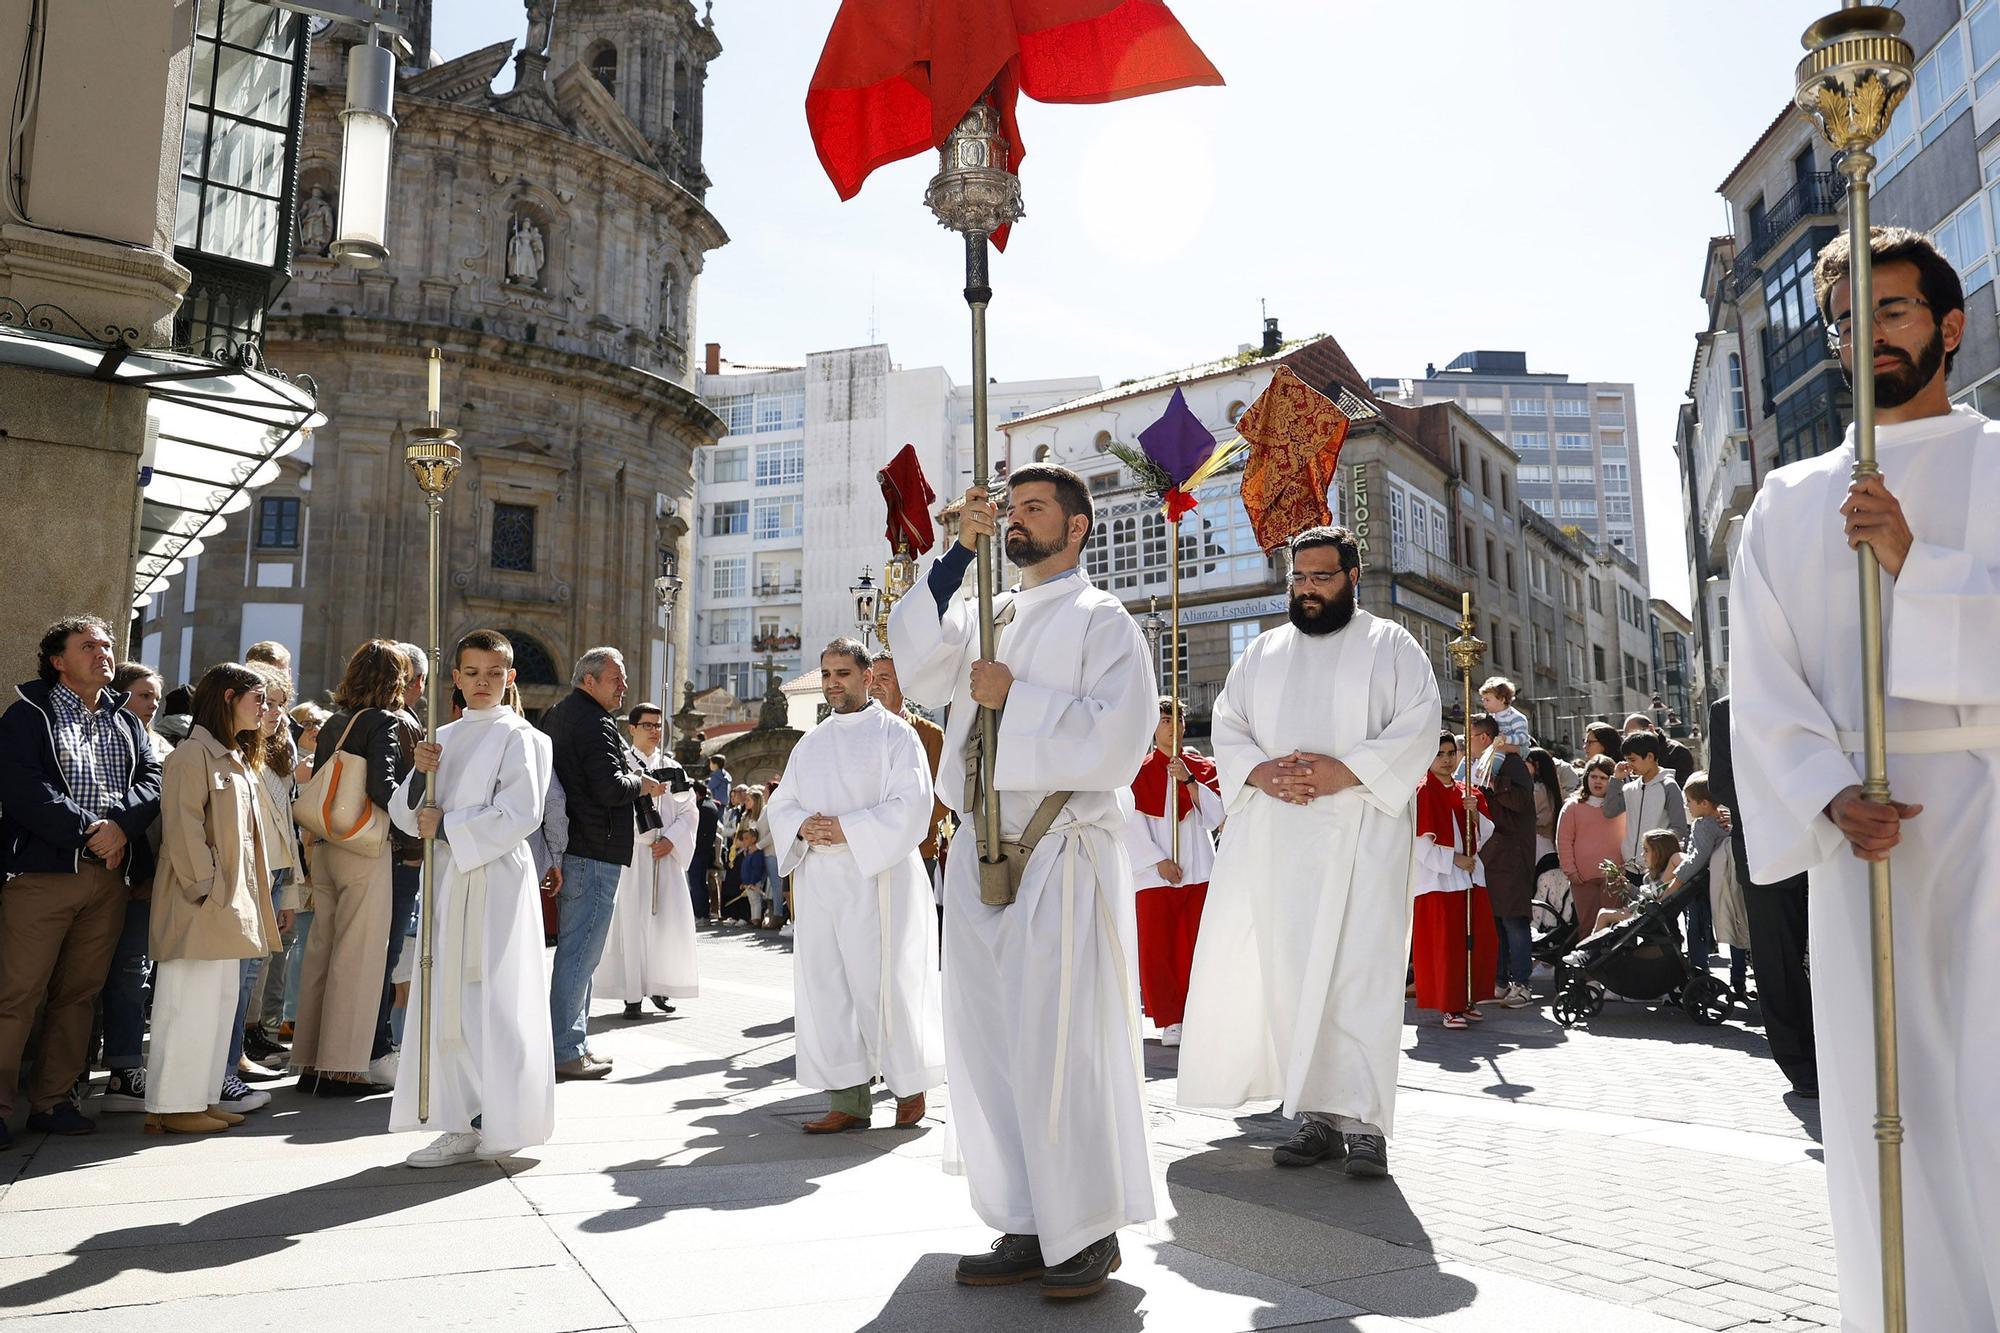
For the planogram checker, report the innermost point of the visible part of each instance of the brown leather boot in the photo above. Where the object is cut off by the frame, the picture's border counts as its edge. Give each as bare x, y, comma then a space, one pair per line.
834, 1122
909, 1110
184, 1122
226, 1117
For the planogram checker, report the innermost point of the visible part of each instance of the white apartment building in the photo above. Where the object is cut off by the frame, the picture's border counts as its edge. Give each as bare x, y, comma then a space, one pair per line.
1579, 443
788, 510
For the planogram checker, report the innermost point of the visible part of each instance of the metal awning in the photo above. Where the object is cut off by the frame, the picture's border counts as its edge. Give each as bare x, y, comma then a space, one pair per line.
215, 432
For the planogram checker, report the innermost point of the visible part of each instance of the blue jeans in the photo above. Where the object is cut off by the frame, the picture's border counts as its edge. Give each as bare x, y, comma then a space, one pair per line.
128, 991
1517, 942
589, 890
405, 883
295, 961
247, 973
1699, 927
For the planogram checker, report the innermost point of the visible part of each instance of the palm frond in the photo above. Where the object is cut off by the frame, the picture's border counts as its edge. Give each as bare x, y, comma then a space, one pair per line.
1148, 473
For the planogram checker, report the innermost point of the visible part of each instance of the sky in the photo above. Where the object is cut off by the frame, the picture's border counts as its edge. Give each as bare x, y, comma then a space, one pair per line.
1416, 179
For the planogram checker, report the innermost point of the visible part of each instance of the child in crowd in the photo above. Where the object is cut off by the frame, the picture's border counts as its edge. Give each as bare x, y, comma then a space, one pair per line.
492, 1084
751, 871
1662, 853
1497, 697
1705, 834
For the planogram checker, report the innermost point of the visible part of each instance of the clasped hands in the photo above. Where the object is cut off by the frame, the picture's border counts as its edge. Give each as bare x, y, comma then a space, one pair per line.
1301, 777
822, 831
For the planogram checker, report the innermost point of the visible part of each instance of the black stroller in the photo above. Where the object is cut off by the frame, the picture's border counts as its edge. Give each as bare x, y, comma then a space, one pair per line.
1641, 958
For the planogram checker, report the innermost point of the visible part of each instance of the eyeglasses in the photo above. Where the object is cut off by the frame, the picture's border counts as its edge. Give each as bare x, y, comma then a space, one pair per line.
647, 726
1318, 578
1898, 312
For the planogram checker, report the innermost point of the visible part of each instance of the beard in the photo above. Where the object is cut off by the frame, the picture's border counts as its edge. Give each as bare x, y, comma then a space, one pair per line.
1025, 551
1317, 615
843, 702
1893, 388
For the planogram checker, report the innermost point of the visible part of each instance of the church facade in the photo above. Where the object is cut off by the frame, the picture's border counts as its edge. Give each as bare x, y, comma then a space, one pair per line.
550, 239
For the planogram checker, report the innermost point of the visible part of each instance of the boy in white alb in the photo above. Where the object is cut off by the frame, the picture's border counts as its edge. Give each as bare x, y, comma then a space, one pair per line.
492, 1084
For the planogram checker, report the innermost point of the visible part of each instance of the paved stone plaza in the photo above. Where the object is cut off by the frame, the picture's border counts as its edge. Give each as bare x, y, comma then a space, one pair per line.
1643, 1175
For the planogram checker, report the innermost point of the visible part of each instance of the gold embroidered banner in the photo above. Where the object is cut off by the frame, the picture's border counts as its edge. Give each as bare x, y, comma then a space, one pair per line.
1295, 433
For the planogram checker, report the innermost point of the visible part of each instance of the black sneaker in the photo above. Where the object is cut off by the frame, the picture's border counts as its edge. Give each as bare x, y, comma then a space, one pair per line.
1316, 1141
261, 1049
62, 1118
1367, 1155
660, 1003
1011, 1259
240, 1097
6, 1137
1084, 1273
125, 1090
631, 1010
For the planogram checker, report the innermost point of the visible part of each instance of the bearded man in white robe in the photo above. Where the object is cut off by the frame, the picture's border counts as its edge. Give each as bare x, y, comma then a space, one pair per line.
1322, 733
649, 952
493, 1087
1041, 995
846, 820
1795, 674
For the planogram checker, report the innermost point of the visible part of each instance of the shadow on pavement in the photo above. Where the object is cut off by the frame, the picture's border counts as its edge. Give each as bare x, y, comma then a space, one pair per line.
929, 1298
245, 1231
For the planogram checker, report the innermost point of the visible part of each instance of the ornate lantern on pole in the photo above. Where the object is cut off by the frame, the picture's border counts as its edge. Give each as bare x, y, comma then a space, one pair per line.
1856, 70
433, 458
367, 132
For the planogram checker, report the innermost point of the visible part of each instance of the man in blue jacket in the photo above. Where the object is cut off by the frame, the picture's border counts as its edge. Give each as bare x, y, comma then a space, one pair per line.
78, 788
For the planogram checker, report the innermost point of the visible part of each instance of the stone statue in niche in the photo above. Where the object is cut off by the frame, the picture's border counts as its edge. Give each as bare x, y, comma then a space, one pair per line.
541, 18
525, 255
315, 223
670, 308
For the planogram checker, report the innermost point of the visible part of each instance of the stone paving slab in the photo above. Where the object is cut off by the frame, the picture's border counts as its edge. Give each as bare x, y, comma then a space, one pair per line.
1640, 1174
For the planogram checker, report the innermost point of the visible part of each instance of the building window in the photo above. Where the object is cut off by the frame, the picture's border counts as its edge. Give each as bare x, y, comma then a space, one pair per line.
1486, 478
1794, 340
1597, 660
1531, 439
779, 518
1722, 627
513, 537
781, 411
1242, 633
730, 577
1510, 571
781, 464
1739, 410
1572, 441
1617, 477
236, 167
727, 627
278, 522
1535, 474
604, 68
729, 518
1810, 421
1578, 509
1597, 596
738, 414
1471, 551
1966, 239
1572, 407
731, 465
1936, 99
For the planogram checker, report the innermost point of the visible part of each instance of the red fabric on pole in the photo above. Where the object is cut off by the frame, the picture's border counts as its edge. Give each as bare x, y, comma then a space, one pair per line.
909, 497
1437, 948
896, 76
1169, 920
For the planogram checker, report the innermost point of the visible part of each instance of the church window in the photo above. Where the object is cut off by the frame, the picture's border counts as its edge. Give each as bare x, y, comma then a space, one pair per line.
532, 663
513, 537
604, 68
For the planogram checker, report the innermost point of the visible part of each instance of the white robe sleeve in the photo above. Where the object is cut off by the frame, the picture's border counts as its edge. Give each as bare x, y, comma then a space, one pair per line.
1788, 759
1236, 751
1947, 615
1433, 857
477, 834
1051, 740
929, 648
1207, 812
786, 813
1144, 847
681, 817
883, 834
1391, 763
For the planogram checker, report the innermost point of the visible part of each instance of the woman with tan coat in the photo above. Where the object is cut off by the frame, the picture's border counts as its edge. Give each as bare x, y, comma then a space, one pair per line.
340, 987
211, 901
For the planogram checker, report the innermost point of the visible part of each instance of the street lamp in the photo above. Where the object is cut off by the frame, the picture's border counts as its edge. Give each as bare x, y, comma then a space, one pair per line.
367, 127
867, 602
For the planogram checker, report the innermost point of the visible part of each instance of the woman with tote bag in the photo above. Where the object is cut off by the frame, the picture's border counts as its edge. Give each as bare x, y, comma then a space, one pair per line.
340, 987
211, 901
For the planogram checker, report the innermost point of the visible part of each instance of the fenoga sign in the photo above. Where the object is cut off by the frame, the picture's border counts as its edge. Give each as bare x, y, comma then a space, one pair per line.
1358, 510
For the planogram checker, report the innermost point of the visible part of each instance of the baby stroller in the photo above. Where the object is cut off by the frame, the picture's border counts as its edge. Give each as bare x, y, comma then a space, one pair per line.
1553, 917
1641, 958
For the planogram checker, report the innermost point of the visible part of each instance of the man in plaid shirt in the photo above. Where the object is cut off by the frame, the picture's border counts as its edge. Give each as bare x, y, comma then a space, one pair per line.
78, 789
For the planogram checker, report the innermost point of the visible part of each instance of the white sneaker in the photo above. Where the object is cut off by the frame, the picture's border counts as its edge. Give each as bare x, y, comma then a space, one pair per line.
1517, 997
447, 1150
382, 1072
786, 930
1172, 1036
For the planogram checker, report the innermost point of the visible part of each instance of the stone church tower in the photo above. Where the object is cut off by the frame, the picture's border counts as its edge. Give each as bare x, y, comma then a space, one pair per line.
549, 237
